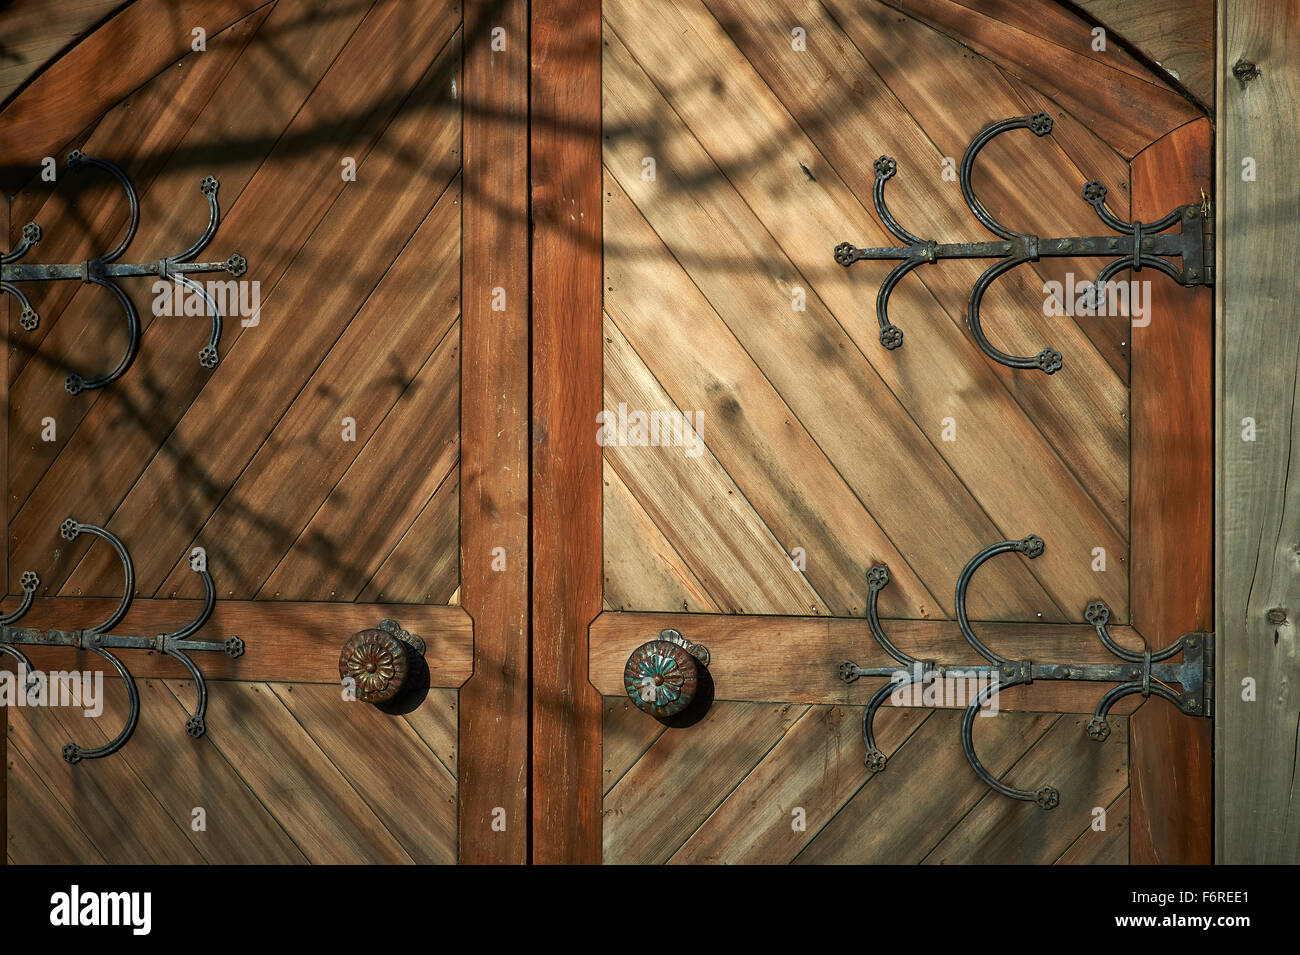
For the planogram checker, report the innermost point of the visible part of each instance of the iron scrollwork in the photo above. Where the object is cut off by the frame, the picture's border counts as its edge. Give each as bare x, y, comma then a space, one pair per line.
1139, 245
98, 640
1147, 673
104, 270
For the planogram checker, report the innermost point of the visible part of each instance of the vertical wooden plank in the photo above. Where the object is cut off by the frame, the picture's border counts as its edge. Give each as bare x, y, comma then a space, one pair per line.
494, 433
1257, 532
1171, 513
565, 150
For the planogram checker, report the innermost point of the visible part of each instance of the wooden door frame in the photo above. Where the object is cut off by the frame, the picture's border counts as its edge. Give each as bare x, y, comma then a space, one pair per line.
481, 646
1171, 533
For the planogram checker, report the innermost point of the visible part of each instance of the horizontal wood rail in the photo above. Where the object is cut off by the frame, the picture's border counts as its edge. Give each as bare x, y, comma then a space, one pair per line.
284, 641
794, 659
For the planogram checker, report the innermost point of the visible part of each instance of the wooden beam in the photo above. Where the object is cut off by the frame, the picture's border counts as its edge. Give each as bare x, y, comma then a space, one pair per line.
1171, 514
795, 659
566, 182
494, 434
134, 46
284, 641
1257, 525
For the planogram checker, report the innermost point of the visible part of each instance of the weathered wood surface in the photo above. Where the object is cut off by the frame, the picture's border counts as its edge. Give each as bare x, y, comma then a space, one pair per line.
1172, 571
729, 119
1050, 47
33, 33
284, 641
785, 782
144, 39
1257, 523
494, 421
1176, 34
783, 659
564, 102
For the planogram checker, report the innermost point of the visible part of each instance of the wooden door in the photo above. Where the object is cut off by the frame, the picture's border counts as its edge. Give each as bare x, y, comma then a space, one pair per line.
343, 464
682, 263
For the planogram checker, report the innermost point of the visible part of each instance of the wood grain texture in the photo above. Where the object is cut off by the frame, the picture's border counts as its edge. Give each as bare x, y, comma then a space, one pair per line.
131, 48
1106, 846
565, 99
797, 658
33, 33
1257, 524
1172, 514
494, 425
284, 641
1177, 35
1055, 55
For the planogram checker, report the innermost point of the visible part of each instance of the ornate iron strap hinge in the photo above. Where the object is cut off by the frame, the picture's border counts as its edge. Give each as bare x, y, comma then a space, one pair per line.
103, 270
98, 640
1148, 673
1139, 245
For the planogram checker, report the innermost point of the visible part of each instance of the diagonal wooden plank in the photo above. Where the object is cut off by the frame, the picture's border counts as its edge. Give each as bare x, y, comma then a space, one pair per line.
1005, 436
437, 723
372, 485
362, 378
643, 570
205, 453
279, 213
311, 799
814, 770
927, 787
1087, 774
685, 775
82, 213
1108, 846
109, 801
186, 774
697, 506
387, 763
425, 564
175, 214
1129, 111
754, 434
40, 829
721, 99
625, 736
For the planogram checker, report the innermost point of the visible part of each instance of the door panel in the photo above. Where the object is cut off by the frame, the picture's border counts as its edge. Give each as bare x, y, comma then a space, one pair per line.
318, 465
736, 152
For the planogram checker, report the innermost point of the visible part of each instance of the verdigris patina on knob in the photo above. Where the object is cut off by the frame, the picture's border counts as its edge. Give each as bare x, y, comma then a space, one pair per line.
662, 676
377, 661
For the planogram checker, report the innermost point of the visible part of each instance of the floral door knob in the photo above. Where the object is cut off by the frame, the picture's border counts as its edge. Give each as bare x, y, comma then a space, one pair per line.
662, 676
378, 661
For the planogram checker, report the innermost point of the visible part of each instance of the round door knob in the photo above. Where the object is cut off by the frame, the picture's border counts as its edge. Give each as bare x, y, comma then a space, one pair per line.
661, 676
378, 661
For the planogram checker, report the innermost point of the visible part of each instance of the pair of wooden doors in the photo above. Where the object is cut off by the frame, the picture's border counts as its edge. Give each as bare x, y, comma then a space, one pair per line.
474, 234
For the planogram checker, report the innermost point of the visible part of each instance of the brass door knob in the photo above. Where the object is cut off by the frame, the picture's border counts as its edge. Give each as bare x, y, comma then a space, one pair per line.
378, 661
662, 676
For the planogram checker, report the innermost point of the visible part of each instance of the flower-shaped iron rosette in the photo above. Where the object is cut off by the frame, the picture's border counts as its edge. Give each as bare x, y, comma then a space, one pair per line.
378, 661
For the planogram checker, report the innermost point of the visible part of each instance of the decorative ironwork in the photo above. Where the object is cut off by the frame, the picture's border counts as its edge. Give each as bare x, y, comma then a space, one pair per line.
662, 676
1139, 245
1147, 673
378, 661
98, 640
102, 271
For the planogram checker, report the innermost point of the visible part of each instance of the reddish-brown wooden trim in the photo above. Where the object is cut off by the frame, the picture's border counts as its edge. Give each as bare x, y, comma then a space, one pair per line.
494, 412
567, 356
284, 641
131, 48
1125, 110
1172, 521
794, 659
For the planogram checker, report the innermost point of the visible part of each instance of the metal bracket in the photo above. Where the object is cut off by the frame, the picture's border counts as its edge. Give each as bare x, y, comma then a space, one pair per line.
98, 640
1139, 245
1147, 673
103, 270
